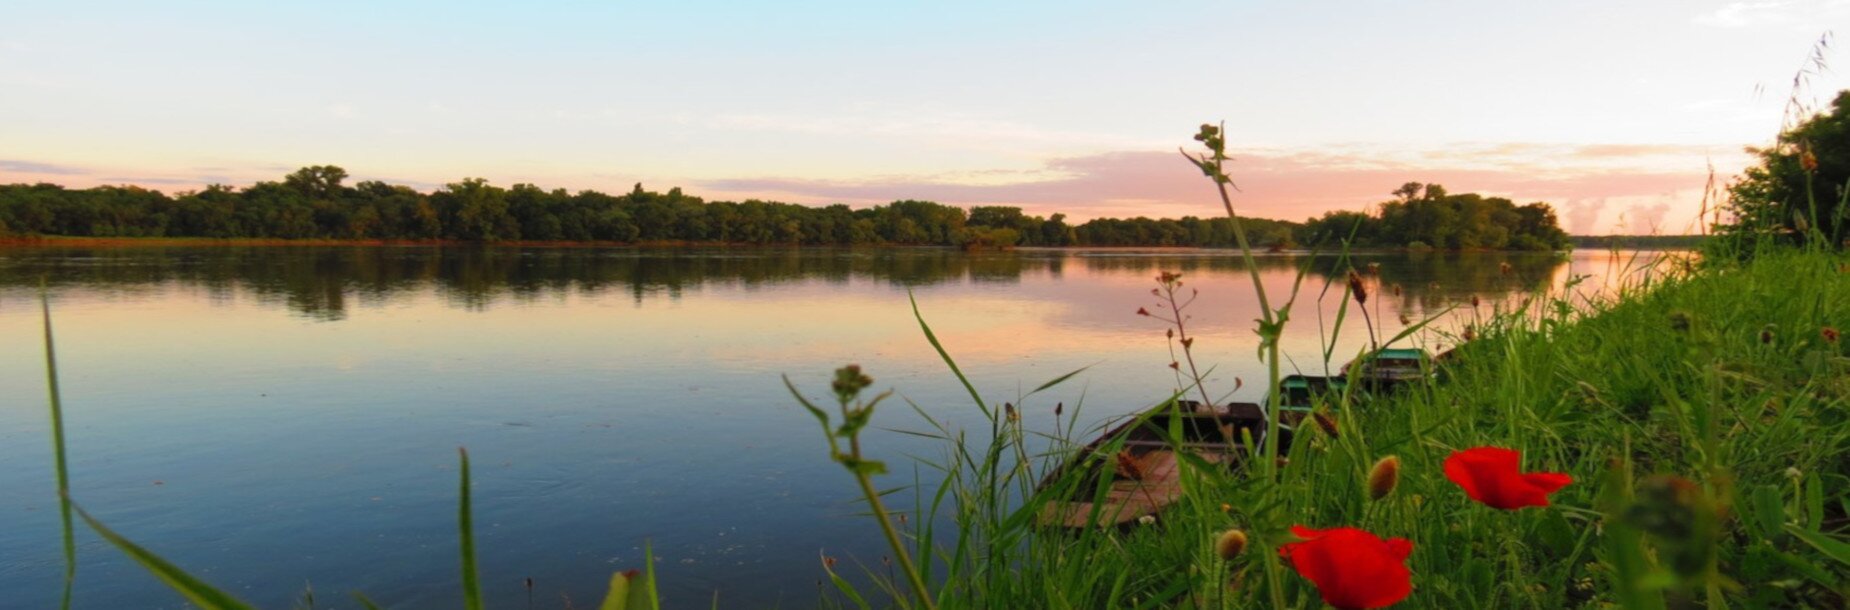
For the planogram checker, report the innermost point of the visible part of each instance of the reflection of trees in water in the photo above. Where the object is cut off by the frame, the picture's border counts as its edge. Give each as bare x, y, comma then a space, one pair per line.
322, 282
1427, 278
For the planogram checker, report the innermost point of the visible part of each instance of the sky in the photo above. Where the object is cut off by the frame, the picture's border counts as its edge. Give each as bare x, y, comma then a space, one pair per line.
1614, 112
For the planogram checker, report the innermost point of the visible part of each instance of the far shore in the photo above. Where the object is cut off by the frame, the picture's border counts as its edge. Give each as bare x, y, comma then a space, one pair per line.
58, 241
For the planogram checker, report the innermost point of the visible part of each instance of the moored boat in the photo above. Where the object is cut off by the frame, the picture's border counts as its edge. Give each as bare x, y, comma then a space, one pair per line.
1136, 468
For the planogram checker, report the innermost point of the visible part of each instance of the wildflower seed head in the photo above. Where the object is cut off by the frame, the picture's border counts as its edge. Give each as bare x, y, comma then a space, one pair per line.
1384, 477
1505, 268
1404, 320
1475, 302
1143, 312
1679, 321
1374, 268
1357, 288
1766, 334
849, 381
1225, 507
1395, 288
1829, 333
1146, 520
1808, 161
1230, 544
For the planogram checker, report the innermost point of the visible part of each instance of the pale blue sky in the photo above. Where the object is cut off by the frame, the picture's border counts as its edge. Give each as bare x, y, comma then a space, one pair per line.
1601, 107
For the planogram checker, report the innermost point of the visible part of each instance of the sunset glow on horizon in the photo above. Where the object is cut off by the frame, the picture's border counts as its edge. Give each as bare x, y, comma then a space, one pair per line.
1615, 114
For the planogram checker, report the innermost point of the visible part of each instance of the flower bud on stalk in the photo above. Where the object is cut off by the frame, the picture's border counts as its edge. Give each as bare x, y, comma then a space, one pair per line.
1384, 477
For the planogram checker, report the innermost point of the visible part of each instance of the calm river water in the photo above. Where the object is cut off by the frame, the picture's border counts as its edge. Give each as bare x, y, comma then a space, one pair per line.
275, 418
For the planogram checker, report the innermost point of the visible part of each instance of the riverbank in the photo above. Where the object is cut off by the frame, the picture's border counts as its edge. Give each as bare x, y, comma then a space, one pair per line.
59, 241
1702, 417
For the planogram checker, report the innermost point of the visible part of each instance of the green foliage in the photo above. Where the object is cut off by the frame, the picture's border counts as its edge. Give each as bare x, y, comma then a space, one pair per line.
1708, 469
1800, 191
1425, 215
316, 203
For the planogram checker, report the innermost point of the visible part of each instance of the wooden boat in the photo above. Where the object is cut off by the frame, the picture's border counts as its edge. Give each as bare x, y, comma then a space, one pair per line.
1134, 470
1390, 366
1298, 395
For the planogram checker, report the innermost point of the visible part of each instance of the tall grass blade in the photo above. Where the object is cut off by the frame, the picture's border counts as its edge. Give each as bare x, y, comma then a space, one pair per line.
57, 447
364, 601
195, 590
472, 590
58, 450
946, 356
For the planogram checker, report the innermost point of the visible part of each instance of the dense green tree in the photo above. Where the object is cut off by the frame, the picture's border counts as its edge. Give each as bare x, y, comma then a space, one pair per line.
1427, 215
1800, 190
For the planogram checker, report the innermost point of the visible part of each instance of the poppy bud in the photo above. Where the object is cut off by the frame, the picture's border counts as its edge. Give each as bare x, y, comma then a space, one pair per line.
1230, 544
1475, 302
1383, 477
1326, 422
1169, 333
1058, 407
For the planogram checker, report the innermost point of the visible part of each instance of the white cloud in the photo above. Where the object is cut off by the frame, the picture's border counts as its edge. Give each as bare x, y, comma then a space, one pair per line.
1774, 13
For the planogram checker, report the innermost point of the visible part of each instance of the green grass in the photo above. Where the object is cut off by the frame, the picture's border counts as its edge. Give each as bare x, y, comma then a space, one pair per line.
1632, 395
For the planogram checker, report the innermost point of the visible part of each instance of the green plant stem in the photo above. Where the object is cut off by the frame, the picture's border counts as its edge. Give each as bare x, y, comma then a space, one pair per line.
886, 527
58, 461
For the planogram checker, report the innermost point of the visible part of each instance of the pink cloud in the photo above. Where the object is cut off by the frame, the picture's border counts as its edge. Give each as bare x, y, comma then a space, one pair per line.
1276, 185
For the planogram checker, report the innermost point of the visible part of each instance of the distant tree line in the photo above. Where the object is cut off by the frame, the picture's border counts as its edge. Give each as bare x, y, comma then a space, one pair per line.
316, 203
1426, 216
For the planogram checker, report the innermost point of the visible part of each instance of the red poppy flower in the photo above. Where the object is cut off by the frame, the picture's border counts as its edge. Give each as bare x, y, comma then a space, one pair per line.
1353, 569
1493, 475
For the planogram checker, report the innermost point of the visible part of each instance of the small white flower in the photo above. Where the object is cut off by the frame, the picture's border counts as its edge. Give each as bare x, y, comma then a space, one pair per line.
1146, 519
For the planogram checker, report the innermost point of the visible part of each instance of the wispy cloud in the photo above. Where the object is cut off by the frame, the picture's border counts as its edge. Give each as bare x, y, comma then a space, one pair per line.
1276, 184
33, 167
1774, 13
